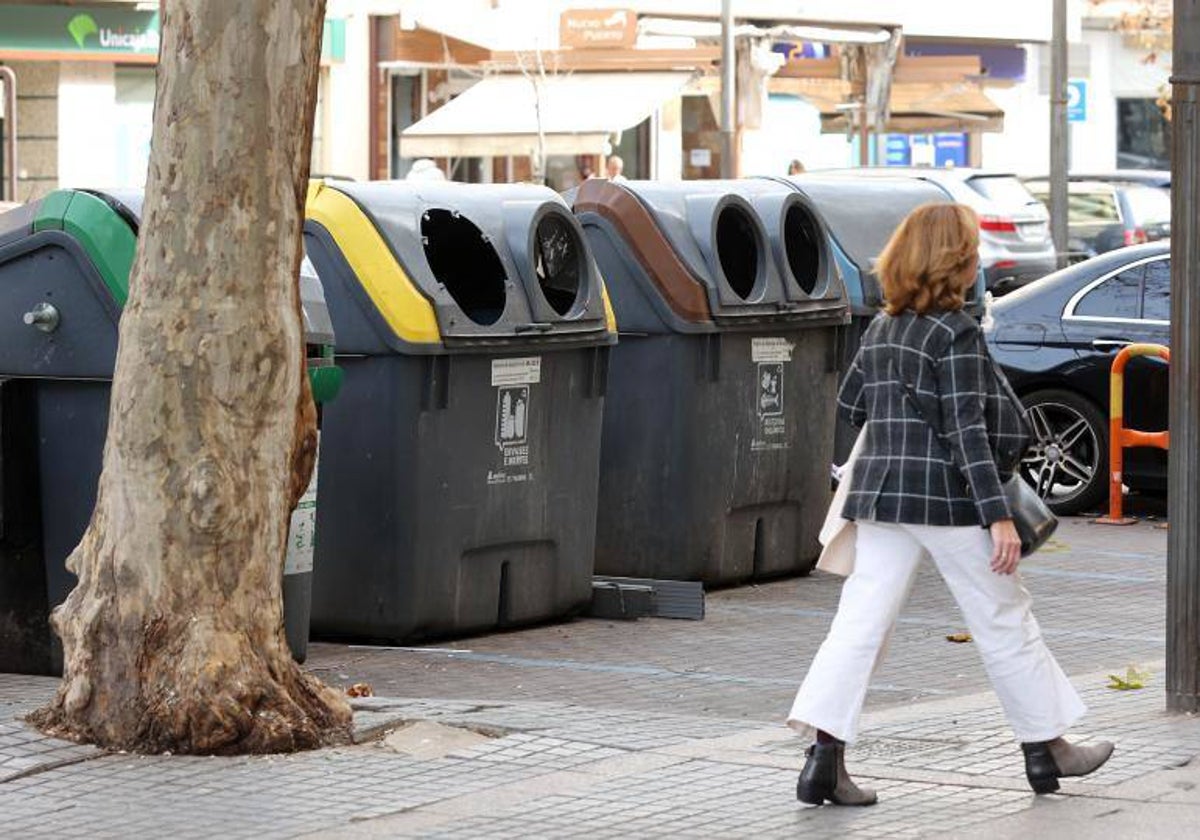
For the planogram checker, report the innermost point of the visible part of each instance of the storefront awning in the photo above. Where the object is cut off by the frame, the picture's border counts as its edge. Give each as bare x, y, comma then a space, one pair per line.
578, 113
915, 108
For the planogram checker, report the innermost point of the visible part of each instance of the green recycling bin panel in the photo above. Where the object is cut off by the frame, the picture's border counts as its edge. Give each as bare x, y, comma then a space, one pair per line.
64, 277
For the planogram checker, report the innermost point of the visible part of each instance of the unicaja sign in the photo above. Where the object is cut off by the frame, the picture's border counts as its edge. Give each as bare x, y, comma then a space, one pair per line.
84, 26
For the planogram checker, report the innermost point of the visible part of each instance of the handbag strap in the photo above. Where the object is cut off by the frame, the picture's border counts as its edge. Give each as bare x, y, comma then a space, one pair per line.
916, 404
910, 393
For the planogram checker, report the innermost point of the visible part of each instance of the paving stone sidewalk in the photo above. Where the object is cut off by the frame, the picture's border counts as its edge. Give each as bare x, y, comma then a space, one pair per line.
668, 729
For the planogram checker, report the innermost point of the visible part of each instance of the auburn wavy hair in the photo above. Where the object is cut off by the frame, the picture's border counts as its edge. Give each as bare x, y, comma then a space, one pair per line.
931, 260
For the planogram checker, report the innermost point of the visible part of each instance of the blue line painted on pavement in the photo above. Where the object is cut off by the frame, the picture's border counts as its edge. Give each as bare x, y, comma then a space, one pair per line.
1040, 571
1059, 632
644, 671
1159, 556
940, 624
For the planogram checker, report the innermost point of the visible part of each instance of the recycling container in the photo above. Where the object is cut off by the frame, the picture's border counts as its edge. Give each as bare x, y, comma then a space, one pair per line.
64, 275
718, 428
459, 489
859, 214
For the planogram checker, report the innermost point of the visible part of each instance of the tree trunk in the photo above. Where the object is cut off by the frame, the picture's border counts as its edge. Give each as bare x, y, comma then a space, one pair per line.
173, 638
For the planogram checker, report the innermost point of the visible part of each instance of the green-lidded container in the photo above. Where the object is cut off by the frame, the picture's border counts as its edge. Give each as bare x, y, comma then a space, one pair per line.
65, 263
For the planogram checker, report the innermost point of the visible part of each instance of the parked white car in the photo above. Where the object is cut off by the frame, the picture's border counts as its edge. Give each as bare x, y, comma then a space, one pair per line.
1015, 247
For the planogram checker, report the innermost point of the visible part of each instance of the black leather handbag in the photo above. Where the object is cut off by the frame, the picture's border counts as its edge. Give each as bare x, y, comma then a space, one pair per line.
1035, 523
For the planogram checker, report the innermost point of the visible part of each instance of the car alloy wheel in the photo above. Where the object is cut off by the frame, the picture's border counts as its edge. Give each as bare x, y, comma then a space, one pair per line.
1067, 458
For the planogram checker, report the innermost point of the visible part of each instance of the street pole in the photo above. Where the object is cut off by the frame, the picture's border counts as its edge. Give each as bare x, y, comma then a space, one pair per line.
1183, 479
864, 134
10, 128
1059, 138
728, 90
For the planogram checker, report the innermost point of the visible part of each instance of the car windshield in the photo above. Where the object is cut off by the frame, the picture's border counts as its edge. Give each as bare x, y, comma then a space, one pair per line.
1084, 206
1148, 205
1093, 206
1002, 189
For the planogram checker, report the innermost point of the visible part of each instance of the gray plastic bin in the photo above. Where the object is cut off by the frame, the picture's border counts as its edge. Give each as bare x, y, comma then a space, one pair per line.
718, 428
459, 490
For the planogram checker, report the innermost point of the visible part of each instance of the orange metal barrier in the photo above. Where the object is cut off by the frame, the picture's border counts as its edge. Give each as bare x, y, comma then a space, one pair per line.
1120, 437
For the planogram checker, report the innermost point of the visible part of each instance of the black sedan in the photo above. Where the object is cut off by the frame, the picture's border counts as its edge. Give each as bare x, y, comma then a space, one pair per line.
1056, 339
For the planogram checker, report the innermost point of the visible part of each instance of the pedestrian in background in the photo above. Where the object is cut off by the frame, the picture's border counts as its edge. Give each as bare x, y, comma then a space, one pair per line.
942, 431
795, 167
424, 169
615, 166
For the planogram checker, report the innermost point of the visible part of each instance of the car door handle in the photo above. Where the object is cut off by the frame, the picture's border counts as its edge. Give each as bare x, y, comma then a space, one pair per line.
1107, 345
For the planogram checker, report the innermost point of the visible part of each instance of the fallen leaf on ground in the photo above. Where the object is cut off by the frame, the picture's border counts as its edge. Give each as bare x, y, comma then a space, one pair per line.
1133, 679
360, 690
959, 638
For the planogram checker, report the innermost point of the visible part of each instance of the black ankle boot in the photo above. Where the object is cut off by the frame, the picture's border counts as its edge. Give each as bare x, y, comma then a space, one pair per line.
1040, 769
1048, 761
824, 778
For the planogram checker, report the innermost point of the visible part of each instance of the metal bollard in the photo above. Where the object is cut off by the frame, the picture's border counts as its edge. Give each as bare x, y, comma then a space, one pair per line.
1120, 437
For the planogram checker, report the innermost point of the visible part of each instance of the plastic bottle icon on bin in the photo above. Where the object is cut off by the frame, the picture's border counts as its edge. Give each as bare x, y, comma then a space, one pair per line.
510, 416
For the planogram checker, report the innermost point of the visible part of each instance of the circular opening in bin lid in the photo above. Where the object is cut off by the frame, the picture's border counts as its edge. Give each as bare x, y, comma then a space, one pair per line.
464, 261
802, 246
558, 262
737, 249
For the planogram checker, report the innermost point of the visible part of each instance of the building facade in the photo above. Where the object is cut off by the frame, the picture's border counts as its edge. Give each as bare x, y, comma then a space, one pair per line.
85, 84
456, 84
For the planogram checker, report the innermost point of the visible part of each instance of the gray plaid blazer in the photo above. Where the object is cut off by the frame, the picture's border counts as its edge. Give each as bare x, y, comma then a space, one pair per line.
907, 471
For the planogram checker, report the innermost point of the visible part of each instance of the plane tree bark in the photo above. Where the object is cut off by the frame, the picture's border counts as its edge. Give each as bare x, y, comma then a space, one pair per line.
173, 638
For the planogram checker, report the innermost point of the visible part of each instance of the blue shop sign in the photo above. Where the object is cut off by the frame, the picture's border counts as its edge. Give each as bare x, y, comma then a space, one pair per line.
1077, 100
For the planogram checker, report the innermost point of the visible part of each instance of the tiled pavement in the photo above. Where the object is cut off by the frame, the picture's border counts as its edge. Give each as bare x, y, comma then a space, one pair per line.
652, 728
1098, 593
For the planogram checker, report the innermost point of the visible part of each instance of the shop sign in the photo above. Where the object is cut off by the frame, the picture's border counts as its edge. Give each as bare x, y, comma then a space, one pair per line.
65, 31
78, 30
947, 148
588, 28
950, 149
1077, 100
897, 150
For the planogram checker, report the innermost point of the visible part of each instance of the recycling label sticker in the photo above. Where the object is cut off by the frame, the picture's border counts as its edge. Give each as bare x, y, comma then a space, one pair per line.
302, 533
511, 434
775, 349
770, 390
523, 371
772, 425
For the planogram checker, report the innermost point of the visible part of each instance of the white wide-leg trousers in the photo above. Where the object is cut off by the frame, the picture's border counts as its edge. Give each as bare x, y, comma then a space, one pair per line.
1037, 698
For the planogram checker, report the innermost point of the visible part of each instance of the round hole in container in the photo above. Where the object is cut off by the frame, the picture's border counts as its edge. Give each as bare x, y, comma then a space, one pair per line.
558, 262
737, 249
802, 246
463, 261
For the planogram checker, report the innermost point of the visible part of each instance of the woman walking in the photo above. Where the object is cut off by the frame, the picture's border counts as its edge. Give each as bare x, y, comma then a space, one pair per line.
942, 432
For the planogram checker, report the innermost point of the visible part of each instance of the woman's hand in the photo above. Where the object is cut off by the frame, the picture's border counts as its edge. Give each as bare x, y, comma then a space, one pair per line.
1006, 547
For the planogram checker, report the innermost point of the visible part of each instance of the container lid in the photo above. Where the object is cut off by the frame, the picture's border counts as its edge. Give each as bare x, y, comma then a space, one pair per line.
722, 252
108, 238
443, 263
861, 213
318, 329
18, 222
126, 204
720, 240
